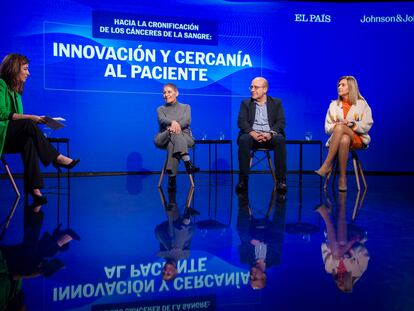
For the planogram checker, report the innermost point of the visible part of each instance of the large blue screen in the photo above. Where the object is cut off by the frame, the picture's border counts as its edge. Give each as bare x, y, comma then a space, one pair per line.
101, 66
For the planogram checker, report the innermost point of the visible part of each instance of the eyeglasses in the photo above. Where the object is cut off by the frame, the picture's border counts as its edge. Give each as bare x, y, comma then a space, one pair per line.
254, 87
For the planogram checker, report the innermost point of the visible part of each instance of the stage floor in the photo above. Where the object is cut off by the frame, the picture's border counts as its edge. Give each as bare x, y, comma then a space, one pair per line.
127, 230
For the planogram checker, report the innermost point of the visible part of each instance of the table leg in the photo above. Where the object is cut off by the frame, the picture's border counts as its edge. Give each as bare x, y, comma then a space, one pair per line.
216, 166
231, 162
68, 176
300, 162
58, 186
209, 165
320, 164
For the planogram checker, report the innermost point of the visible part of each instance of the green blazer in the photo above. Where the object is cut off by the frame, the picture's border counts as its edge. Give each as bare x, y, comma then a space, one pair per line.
10, 102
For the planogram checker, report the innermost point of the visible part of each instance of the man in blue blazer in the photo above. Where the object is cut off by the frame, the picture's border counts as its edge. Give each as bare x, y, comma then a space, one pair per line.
261, 121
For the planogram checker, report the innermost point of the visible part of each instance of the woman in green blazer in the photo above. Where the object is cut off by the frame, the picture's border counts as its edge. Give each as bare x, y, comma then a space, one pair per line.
19, 132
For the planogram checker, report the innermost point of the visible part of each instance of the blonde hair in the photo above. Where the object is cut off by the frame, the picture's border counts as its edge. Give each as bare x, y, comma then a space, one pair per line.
354, 93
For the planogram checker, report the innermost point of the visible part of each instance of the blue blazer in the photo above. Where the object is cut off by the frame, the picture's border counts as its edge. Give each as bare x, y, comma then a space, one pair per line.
275, 114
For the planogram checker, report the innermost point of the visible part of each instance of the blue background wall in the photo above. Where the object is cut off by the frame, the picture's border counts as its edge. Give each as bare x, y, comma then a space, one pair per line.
112, 121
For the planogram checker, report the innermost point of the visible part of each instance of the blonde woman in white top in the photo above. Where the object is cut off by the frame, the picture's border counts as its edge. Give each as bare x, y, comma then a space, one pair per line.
348, 122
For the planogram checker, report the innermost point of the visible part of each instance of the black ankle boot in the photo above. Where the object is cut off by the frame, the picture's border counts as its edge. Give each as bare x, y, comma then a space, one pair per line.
190, 168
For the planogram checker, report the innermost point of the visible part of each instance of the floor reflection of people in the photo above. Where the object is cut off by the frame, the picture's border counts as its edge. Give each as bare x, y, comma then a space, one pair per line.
175, 235
261, 237
30, 258
344, 253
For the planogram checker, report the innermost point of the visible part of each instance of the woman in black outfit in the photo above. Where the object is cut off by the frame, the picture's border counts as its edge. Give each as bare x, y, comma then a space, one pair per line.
19, 132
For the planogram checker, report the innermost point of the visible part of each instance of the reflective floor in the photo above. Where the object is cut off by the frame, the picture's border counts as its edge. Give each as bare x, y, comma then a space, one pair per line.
209, 249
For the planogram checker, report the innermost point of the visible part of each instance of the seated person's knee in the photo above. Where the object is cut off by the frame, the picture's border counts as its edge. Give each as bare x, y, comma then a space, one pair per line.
278, 138
340, 128
244, 139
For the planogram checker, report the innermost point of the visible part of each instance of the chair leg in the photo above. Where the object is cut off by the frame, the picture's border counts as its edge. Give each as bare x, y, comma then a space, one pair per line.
9, 217
251, 159
162, 197
358, 206
362, 174
325, 184
354, 212
335, 171
6, 167
354, 160
162, 173
269, 160
190, 176
189, 197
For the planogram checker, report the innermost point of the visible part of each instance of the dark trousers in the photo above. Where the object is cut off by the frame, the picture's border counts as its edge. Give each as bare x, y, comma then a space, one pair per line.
25, 137
277, 144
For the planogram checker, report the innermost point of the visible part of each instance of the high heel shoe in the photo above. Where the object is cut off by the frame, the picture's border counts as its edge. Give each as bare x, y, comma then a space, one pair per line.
67, 166
323, 173
321, 208
57, 233
72, 234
